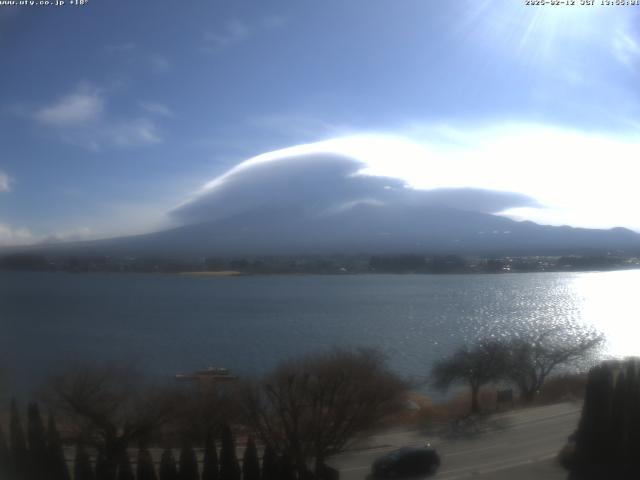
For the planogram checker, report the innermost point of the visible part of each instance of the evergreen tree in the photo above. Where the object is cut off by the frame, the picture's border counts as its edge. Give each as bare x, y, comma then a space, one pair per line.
82, 469
188, 462
633, 448
104, 469
269, 464
229, 467
145, 470
618, 428
250, 462
168, 470
57, 464
38, 455
210, 462
5, 456
18, 450
125, 472
285, 468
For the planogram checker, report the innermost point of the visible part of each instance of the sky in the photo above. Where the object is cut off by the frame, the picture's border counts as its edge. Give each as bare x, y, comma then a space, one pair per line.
118, 117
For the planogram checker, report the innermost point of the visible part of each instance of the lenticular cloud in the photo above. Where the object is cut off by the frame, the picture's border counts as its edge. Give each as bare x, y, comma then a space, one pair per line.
320, 183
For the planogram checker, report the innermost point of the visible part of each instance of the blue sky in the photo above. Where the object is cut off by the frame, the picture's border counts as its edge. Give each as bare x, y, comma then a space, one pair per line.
114, 113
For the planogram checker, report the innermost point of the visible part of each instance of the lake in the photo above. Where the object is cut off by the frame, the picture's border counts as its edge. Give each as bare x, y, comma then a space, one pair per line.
171, 323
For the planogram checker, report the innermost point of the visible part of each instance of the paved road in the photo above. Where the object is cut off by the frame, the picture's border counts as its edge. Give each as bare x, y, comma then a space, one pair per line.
520, 444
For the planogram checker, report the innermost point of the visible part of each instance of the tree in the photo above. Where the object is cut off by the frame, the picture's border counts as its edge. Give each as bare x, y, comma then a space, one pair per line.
229, 467
38, 457
188, 462
111, 406
168, 470
314, 407
82, 469
269, 464
286, 470
476, 366
534, 358
57, 464
250, 462
210, 461
125, 472
145, 469
5, 456
591, 459
19, 452
105, 470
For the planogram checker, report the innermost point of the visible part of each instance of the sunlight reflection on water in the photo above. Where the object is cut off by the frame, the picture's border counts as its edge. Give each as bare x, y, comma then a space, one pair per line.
609, 302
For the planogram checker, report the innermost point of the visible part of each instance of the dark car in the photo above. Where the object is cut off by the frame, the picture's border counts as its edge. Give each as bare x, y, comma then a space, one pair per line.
407, 462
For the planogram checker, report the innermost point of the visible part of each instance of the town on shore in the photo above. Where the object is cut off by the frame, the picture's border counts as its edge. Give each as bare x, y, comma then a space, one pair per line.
319, 264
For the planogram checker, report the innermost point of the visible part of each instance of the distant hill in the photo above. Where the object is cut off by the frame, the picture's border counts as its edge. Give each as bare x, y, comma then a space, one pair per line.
365, 228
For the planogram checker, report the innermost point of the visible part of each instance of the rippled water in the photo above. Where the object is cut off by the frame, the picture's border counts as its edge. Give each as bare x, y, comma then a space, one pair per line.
177, 323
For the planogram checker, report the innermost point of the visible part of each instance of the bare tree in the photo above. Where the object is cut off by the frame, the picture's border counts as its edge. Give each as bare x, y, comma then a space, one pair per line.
110, 407
203, 411
475, 366
534, 358
312, 408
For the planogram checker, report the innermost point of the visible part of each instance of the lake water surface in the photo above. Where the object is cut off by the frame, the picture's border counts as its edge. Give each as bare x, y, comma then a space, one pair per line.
170, 323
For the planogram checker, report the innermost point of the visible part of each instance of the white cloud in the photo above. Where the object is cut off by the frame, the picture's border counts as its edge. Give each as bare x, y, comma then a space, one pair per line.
120, 47
138, 131
157, 109
93, 129
5, 182
76, 108
10, 236
71, 235
236, 31
625, 48
542, 173
159, 63
233, 32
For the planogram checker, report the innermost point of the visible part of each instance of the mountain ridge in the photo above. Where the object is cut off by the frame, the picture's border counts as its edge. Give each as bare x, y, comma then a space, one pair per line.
363, 228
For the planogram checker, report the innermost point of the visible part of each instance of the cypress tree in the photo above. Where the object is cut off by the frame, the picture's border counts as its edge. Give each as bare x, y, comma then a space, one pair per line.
286, 470
633, 385
229, 467
592, 452
210, 462
250, 462
18, 449
125, 472
188, 462
168, 470
5, 456
269, 464
57, 464
38, 456
82, 469
145, 470
618, 430
103, 468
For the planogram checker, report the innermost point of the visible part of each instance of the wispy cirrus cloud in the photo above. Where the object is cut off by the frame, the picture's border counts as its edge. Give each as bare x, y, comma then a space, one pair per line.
82, 106
156, 108
85, 109
159, 63
237, 31
626, 48
133, 53
5, 182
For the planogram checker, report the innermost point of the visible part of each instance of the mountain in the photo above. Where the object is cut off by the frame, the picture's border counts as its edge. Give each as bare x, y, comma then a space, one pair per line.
364, 228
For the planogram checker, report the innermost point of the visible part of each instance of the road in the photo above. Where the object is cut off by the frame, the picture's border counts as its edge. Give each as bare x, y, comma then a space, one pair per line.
521, 444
